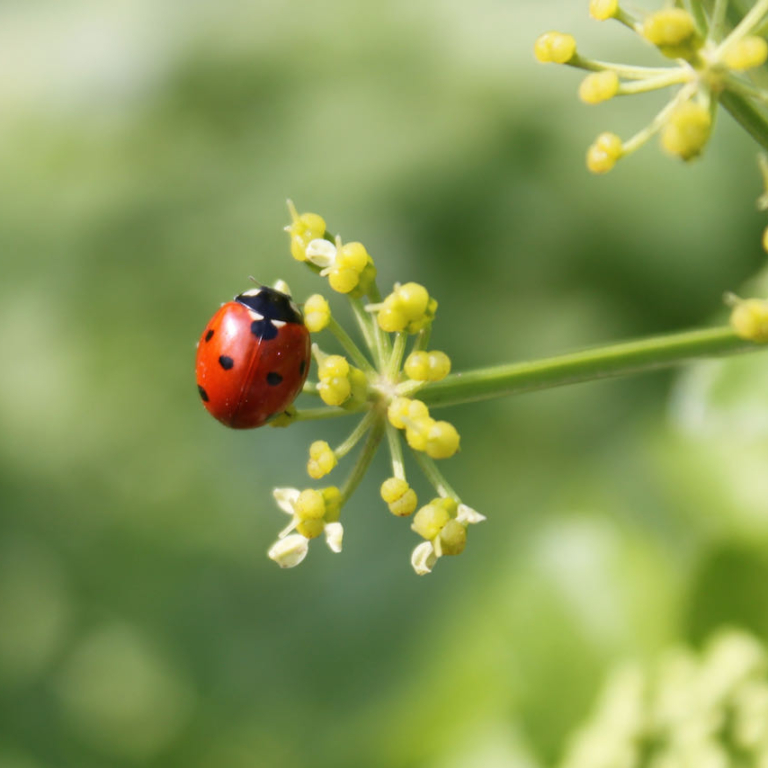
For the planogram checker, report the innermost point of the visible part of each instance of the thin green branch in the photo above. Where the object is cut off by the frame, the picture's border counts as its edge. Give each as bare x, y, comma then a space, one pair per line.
327, 412
349, 346
363, 461
604, 362
435, 476
752, 121
357, 435
396, 451
717, 23
751, 19
622, 70
396, 358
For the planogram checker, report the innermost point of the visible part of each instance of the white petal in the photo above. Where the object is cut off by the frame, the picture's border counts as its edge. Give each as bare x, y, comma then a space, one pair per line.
423, 558
289, 551
321, 252
334, 532
468, 515
286, 498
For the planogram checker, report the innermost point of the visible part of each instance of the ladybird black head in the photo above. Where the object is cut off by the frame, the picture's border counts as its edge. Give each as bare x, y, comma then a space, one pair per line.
264, 329
271, 305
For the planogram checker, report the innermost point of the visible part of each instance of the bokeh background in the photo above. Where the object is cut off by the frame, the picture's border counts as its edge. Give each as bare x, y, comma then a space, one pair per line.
146, 151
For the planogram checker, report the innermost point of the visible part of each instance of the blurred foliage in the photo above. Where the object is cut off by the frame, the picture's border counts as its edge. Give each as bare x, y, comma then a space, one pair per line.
147, 149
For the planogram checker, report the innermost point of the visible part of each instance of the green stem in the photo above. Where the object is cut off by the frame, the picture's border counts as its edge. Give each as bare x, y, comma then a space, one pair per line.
717, 23
628, 19
396, 452
396, 358
694, 7
751, 19
382, 338
435, 476
623, 70
328, 412
642, 136
604, 362
746, 116
422, 339
356, 436
363, 461
675, 77
366, 326
349, 346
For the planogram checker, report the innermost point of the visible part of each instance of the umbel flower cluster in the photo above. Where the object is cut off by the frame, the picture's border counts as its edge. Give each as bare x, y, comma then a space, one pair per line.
382, 384
704, 711
714, 55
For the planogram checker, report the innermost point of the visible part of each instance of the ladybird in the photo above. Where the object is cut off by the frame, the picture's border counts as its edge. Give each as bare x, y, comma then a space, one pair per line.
252, 358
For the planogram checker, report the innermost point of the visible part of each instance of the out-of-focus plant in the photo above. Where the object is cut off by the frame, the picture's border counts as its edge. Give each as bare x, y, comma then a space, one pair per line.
708, 710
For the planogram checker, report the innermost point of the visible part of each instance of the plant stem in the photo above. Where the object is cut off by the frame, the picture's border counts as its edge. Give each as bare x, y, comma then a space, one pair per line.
751, 19
604, 362
349, 346
717, 23
747, 116
357, 435
435, 476
396, 452
622, 70
363, 461
325, 412
654, 83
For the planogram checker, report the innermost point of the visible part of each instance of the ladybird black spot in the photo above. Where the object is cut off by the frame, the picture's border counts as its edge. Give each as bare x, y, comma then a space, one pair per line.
203, 393
272, 305
226, 362
273, 379
209, 335
264, 329
302, 367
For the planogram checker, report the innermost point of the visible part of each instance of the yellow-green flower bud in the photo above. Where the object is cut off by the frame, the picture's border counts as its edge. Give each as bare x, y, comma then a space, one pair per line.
353, 256
335, 390
399, 496
599, 86
604, 153
673, 31
749, 52
430, 519
321, 459
358, 383
333, 366
309, 505
367, 276
343, 279
687, 130
603, 9
332, 499
417, 432
554, 47
402, 409
453, 538
317, 313
391, 319
442, 440
310, 528
302, 230
427, 366
412, 300
749, 319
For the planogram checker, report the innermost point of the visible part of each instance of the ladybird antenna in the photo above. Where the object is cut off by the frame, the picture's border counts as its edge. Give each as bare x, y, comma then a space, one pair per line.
254, 280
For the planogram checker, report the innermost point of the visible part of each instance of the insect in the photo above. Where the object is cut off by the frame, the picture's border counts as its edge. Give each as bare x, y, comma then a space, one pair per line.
252, 358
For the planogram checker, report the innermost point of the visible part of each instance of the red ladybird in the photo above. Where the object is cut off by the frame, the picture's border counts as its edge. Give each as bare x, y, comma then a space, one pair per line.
253, 358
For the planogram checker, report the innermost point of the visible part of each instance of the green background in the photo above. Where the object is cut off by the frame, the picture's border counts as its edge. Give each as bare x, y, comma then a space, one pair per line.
147, 148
